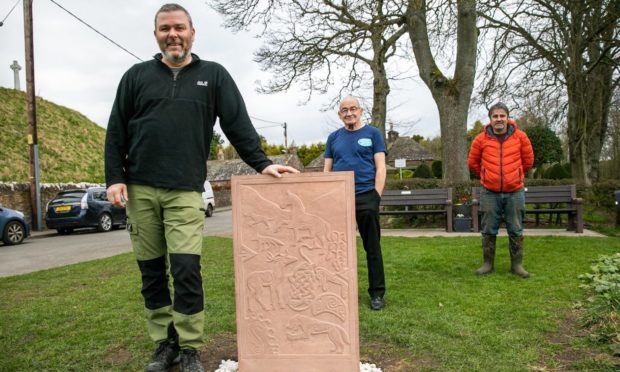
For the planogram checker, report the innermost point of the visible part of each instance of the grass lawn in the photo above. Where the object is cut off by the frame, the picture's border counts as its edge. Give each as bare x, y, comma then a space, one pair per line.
438, 316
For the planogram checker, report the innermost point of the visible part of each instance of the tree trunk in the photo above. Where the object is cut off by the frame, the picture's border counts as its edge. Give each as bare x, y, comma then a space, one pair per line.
601, 88
381, 89
452, 96
589, 99
577, 139
454, 149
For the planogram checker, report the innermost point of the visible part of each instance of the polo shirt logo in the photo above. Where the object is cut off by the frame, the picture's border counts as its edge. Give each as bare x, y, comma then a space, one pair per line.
366, 142
202, 83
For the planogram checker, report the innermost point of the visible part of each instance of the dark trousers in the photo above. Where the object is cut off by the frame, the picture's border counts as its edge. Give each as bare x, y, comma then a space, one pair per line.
367, 217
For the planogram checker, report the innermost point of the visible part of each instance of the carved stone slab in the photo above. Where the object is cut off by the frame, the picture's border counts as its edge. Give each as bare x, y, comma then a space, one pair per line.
296, 272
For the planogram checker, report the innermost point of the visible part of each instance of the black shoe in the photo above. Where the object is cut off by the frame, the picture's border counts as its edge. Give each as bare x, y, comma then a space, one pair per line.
190, 361
377, 303
165, 356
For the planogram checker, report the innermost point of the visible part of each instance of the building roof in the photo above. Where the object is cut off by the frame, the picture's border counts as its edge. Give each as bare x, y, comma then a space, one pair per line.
223, 170
317, 162
407, 148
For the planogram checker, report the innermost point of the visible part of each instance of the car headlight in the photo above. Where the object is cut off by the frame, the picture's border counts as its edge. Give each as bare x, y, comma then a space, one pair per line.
20, 214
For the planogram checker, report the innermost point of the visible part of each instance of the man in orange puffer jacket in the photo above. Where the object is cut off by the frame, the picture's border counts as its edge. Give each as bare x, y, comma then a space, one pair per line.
500, 156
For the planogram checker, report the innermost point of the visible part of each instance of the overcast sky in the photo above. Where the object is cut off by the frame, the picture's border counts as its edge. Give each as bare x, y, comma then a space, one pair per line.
77, 68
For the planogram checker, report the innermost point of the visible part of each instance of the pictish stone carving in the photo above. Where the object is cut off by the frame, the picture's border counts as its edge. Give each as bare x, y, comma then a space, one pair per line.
295, 272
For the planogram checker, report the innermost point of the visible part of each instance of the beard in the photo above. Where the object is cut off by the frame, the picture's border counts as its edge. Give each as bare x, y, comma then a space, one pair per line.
175, 59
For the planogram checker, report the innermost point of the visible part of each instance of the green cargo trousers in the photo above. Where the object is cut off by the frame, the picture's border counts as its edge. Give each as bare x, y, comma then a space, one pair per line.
165, 227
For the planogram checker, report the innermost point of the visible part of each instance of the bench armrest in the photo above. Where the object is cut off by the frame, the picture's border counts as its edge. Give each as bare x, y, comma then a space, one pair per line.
577, 201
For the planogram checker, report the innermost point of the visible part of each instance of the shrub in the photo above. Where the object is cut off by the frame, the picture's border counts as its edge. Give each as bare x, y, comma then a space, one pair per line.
413, 183
547, 145
407, 173
557, 172
602, 307
422, 171
539, 172
601, 194
568, 169
437, 168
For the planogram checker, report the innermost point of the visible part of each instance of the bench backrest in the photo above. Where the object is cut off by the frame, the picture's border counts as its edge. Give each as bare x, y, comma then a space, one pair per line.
542, 194
417, 197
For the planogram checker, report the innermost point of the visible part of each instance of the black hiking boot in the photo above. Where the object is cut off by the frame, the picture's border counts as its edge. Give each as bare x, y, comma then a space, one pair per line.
190, 361
165, 356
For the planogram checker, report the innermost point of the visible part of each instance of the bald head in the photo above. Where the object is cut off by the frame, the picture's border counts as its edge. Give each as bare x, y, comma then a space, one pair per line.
350, 113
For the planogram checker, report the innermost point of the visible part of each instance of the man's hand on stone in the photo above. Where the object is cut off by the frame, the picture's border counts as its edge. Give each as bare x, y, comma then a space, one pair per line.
276, 170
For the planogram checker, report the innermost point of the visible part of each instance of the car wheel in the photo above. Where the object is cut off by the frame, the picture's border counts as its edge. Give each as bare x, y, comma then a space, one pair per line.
65, 230
209, 211
14, 233
105, 223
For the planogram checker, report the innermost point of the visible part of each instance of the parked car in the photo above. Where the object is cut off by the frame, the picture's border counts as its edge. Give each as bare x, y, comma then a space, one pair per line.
90, 207
13, 226
208, 199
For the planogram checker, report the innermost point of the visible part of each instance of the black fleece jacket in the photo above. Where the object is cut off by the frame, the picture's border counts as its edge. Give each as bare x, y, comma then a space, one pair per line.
160, 128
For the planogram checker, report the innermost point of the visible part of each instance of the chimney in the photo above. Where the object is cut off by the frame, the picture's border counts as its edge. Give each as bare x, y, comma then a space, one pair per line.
392, 136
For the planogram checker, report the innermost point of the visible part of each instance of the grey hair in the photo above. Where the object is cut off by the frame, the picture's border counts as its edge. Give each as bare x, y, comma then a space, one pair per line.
171, 8
499, 106
352, 97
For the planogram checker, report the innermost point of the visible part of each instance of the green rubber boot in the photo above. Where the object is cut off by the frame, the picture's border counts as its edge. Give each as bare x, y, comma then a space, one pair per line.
516, 256
488, 253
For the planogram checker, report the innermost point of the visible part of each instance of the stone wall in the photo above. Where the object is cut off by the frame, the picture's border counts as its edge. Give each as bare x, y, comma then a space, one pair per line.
17, 196
221, 193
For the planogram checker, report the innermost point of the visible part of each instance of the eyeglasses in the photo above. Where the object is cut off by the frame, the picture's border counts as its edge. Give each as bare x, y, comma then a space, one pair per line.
346, 110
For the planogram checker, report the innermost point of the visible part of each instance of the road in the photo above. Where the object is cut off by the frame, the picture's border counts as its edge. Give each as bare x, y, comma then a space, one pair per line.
45, 250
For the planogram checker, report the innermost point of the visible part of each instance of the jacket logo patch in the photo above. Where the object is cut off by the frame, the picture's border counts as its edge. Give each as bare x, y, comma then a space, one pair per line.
202, 83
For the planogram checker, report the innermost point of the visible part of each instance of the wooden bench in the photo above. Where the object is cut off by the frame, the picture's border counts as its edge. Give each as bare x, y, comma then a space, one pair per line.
558, 199
419, 201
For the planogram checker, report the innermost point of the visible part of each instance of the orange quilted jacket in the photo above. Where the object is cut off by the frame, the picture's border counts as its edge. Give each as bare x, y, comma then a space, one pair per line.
501, 166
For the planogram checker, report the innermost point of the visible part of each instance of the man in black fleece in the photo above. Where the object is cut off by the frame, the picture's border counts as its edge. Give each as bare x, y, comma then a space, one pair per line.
156, 148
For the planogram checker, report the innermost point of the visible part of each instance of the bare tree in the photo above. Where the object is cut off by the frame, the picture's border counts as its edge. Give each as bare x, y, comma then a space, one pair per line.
451, 94
559, 48
611, 148
312, 42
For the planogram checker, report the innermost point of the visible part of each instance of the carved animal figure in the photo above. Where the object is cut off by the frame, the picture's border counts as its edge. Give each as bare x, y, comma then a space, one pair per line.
310, 230
261, 290
302, 327
324, 277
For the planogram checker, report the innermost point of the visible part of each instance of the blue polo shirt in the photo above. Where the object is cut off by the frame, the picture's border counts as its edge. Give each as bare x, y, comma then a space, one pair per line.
355, 151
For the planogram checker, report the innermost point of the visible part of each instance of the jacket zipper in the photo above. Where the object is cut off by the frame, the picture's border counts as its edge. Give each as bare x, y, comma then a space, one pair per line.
174, 78
174, 83
501, 166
